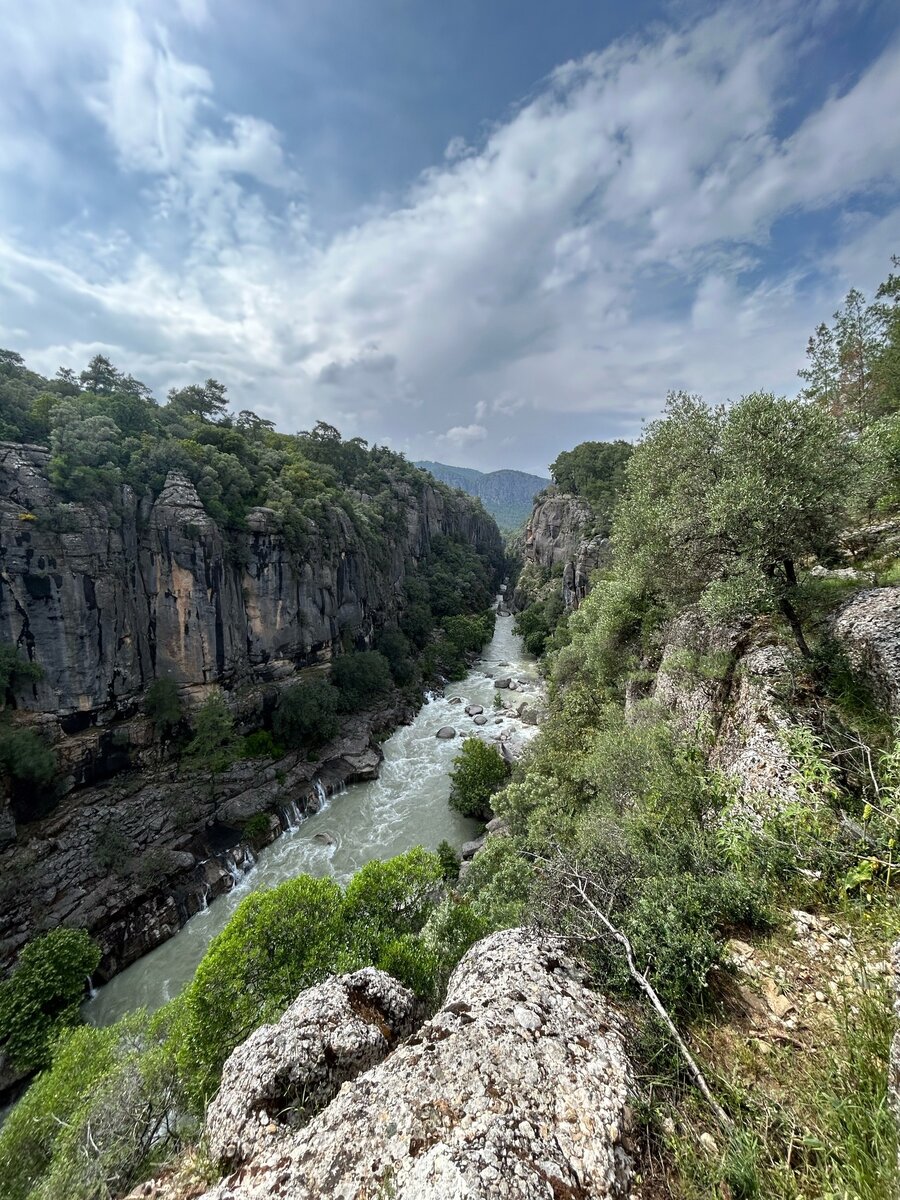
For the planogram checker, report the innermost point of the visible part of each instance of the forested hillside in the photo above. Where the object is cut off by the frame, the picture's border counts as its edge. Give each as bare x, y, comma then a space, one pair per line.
507, 495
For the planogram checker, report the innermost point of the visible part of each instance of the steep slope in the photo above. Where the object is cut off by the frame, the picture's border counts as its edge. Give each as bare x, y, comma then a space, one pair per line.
507, 495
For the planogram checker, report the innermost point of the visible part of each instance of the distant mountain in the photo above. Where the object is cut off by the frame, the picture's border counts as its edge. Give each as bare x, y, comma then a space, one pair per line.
507, 495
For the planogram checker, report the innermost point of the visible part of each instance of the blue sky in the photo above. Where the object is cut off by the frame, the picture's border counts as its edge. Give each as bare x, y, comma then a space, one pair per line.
478, 232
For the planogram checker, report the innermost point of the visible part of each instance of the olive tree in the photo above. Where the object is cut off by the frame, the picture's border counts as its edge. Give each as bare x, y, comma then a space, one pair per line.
725, 504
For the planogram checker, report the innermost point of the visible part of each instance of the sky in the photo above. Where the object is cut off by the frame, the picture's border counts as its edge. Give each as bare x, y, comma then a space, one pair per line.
477, 232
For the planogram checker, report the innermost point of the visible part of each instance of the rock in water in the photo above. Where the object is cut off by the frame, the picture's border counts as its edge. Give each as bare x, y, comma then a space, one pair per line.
331, 1033
517, 1088
446, 732
474, 710
479, 720
501, 683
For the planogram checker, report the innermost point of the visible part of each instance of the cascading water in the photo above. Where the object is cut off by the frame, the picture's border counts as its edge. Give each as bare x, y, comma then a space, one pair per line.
405, 806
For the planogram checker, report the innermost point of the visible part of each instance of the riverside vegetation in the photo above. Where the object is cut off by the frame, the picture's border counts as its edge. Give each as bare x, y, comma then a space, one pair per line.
619, 827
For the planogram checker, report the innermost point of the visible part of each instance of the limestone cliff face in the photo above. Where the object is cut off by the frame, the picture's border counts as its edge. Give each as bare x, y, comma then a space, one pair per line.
558, 536
107, 600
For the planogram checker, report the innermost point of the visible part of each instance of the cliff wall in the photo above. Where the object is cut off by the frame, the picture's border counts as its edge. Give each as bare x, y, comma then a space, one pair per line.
558, 542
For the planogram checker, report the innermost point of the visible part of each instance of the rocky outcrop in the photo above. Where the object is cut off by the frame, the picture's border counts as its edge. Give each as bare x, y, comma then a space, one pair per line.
557, 540
284, 1073
518, 1087
868, 628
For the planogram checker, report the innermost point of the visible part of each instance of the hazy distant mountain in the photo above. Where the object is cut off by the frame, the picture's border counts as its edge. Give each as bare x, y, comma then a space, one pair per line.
507, 495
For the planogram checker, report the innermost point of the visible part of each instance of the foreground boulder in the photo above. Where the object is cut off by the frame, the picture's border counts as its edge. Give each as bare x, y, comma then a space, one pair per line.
283, 1073
518, 1087
868, 629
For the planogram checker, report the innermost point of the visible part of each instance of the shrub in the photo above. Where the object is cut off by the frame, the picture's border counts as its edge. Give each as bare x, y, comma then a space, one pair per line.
360, 679
396, 649
449, 861
306, 714
282, 941
260, 744
212, 745
96, 1121
111, 849
163, 706
256, 827
479, 770
25, 756
42, 996
15, 670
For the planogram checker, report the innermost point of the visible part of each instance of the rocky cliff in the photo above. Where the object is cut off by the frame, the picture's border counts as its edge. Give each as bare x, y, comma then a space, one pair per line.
559, 550
108, 598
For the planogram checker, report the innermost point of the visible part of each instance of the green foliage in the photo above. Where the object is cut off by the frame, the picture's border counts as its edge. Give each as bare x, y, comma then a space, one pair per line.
27, 759
360, 679
163, 706
449, 861
96, 1121
479, 771
14, 671
256, 827
306, 714
260, 744
42, 995
111, 849
722, 504
596, 471
213, 745
282, 941
538, 622
396, 648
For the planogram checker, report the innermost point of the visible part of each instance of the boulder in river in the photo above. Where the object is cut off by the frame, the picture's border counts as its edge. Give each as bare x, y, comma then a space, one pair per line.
502, 683
455, 700
474, 710
480, 720
446, 731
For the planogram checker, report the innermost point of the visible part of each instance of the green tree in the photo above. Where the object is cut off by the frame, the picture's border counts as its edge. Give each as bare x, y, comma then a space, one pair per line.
596, 471
43, 994
212, 745
14, 671
360, 678
25, 756
723, 504
479, 771
85, 450
395, 647
163, 706
306, 714
208, 401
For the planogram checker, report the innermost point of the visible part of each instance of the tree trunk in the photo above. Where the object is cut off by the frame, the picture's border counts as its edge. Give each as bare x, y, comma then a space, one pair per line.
790, 613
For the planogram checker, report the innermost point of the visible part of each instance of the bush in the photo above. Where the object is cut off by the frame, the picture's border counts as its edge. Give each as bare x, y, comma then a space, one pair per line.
212, 745
25, 756
96, 1121
479, 770
260, 744
282, 941
163, 706
42, 996
396, 649
14, 671
360, 679
449, 861
306, 714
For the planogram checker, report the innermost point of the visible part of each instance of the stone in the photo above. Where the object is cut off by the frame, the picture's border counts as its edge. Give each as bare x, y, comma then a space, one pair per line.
502, 683
474, 710
285, 1072
868, 628
470, 849
479, 720
518, 1087
446, 731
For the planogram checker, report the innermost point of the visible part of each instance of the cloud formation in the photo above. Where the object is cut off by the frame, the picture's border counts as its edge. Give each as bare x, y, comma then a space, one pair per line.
617, 234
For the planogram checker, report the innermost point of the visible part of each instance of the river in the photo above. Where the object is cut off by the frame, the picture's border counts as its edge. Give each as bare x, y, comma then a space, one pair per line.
405, 806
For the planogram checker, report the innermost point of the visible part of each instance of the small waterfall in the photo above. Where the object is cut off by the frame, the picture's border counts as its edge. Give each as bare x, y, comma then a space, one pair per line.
237, 863
290, 816
204, 899
321, 794
91, 990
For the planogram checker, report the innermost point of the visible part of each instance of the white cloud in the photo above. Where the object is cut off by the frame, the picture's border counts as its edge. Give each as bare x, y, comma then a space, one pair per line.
602, 244
463, 435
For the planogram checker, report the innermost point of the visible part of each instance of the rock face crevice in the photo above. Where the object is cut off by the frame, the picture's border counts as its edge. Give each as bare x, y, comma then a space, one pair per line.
518, 1087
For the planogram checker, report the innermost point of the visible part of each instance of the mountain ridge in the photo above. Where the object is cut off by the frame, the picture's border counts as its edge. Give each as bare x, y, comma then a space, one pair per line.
507, 494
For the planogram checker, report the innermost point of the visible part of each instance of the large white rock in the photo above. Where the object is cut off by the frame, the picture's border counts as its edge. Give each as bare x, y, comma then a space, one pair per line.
868, 628
517, 1088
